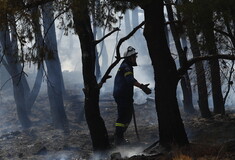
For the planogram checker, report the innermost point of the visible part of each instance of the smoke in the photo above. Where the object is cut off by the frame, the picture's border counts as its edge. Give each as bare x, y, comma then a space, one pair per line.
123, 151
139, 97
127, 152
63, 155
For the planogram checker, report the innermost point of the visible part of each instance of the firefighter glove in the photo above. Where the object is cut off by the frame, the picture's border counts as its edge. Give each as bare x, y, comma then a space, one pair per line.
145, 88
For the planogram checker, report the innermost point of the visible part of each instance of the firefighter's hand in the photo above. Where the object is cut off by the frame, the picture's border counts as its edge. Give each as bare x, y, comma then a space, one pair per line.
145, 88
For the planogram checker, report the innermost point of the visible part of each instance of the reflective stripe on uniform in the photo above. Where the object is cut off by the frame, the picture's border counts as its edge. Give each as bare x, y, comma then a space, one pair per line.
120, 125
127, 73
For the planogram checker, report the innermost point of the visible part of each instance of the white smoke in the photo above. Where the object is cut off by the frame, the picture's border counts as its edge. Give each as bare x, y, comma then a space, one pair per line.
123, 151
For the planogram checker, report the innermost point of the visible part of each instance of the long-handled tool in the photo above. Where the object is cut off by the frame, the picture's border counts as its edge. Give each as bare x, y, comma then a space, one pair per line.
136, 130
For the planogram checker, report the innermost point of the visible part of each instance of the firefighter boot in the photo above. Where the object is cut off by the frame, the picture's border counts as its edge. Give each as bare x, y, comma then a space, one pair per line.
120, 141
119, 137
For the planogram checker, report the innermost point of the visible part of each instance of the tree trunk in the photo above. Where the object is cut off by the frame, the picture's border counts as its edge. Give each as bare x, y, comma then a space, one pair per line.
185, 81
97, 63
15, 72
207, 29
171, 128
55, 80
94, 120
200, 71
127, 22
201, 78
35, 90
102, 50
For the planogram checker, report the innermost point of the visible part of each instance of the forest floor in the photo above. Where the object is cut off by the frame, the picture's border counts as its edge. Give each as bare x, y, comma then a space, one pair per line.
212, 139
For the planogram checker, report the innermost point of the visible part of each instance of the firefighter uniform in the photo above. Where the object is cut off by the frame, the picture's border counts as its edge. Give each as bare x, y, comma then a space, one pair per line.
123, 95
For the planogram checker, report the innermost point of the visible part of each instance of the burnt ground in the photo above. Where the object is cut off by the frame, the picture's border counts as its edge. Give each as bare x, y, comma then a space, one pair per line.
209, 138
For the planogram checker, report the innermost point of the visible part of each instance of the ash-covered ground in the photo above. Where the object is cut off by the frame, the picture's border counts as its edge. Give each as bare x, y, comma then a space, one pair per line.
43, 142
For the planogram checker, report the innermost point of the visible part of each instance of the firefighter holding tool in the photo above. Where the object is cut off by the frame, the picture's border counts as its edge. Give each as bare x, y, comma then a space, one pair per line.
123, 93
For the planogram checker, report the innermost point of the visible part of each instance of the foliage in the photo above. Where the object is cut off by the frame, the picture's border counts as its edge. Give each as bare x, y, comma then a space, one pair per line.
218, 11
19, 14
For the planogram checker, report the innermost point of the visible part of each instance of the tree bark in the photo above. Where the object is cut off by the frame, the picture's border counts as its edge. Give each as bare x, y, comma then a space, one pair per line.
127, 21
185, 81
200, 71
171, 128
97, 63
207, 29
55, 80
201, 78
15, 72
91, 90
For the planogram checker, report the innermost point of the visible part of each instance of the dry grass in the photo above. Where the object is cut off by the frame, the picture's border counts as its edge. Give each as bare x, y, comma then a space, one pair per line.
200, 152
182, 157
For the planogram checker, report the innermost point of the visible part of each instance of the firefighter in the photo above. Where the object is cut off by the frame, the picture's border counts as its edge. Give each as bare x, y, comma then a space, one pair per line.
123, 93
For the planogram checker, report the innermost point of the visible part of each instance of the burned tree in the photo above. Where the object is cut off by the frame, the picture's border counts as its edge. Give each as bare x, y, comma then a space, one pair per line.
171, 128
185, 81
91, 89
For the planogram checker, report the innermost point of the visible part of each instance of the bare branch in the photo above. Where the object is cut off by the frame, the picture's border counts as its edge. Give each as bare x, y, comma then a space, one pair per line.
127, 37
189, 63
5, 64
5, 83
170, 3
66, 10
118, 57
1, 59
225, 34
12, 77
170, 22
229, 82
100, 40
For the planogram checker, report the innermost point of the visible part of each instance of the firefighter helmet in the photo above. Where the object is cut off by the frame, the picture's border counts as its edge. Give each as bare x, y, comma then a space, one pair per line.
130, 51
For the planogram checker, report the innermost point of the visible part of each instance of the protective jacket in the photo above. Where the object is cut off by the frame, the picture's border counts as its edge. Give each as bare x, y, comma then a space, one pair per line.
123, 95
124, 81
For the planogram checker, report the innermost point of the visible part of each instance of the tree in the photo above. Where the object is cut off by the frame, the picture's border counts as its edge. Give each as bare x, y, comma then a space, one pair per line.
185, 81
200, 72
207, 30
16, 74
55, 81
171, 128
91, 89
55, 84
206, 21
24, 98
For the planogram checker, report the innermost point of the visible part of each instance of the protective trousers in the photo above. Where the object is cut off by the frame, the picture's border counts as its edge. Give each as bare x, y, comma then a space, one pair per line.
125, 110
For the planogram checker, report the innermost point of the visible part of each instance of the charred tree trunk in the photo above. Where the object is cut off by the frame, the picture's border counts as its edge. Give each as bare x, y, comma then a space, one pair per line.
55, 85
171, 128
185, 81
201, 78
200, 71
207, 29
94, 120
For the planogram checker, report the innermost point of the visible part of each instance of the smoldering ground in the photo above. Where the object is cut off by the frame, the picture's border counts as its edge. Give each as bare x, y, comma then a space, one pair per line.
42, 141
